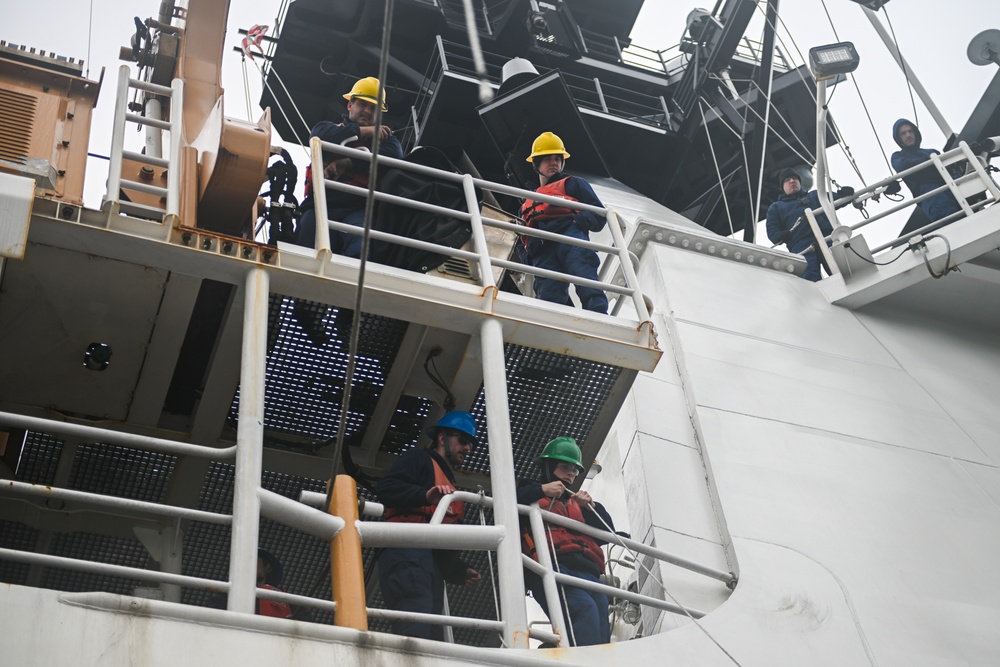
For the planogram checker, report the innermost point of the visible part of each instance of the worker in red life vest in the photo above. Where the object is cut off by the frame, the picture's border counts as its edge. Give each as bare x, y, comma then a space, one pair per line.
413, 579
572, 553
269, 577
343, 207
548, 155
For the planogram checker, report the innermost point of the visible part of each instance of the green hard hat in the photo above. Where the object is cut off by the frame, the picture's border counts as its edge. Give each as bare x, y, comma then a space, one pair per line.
564, 449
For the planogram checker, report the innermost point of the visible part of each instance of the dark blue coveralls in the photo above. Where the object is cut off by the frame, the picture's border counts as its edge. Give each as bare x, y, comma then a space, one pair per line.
940, 205
564, 258
782, 216
587, 611
413, 579
341, 206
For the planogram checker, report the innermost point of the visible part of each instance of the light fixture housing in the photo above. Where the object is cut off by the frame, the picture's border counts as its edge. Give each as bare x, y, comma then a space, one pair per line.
831, 60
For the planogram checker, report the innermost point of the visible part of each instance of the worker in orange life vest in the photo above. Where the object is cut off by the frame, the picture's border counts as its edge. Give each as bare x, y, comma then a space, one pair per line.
413, 579
573, 553
548, 156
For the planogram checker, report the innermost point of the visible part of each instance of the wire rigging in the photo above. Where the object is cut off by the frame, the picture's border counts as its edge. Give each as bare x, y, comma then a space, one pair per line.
902, 64
345, 404
711, 149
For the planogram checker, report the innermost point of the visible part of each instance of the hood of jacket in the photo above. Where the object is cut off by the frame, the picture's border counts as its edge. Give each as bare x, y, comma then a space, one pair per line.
895, 133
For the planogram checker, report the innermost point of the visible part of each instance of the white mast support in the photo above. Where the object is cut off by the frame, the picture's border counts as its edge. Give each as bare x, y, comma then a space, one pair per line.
154, 135
249, 446
483, 250
512, 604
910, 75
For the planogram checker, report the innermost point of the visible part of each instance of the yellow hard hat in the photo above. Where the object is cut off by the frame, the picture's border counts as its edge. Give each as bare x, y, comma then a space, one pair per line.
547, 143
367, 89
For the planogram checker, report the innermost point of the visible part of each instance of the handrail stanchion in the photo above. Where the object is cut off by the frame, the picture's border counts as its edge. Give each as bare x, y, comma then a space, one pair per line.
627, 269
346, 566
821, 245
512, 606
249, 446
322, 242
549, 578
478, 234
117, 143
176, 133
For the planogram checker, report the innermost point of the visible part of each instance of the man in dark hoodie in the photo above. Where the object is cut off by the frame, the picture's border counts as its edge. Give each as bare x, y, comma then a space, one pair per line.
358, 122
548, 155
907, 137
786, 220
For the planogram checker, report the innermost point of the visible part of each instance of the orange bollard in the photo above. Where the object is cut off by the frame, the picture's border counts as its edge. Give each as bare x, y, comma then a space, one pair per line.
346, 568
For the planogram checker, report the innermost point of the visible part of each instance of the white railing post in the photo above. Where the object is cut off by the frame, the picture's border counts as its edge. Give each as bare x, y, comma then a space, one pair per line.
478, 234
549, 578
512, 605
176, 135
249, 446
613, 221
117, 142
322, 242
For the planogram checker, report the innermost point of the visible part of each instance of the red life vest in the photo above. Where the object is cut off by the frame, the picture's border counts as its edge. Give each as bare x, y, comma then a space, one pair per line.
273, 607
565, 541
423, 514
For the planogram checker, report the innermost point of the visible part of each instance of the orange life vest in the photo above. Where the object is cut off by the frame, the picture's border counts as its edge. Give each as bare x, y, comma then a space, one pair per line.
565, 541
423, 514
535, 211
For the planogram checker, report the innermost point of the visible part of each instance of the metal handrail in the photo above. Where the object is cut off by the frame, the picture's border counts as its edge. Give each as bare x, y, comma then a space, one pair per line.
174, 93
619, 249
958, 155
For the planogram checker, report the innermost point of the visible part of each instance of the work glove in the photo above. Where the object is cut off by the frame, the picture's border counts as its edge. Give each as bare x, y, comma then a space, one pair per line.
846, 191
893, 188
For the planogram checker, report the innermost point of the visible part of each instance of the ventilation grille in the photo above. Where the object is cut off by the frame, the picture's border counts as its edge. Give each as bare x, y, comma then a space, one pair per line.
17, 120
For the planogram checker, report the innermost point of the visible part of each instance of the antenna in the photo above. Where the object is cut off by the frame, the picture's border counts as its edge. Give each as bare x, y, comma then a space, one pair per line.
985, 48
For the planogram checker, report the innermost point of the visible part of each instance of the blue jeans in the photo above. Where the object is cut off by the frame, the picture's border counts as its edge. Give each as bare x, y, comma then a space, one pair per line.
411, 581
940, 206
341, 243
572, 260
586, 611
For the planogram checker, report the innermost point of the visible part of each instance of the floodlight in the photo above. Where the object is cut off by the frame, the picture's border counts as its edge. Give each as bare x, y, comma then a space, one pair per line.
828, 61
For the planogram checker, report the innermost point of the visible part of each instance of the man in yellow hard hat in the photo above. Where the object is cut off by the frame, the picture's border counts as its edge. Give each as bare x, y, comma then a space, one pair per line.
548, 156
358, 122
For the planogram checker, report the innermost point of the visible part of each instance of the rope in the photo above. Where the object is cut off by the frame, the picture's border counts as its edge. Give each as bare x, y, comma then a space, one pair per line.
365, 243
649, 572
281, 108
90, 36
711, 149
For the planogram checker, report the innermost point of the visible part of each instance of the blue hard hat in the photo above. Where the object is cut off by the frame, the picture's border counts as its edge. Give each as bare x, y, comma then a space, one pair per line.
456, 420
